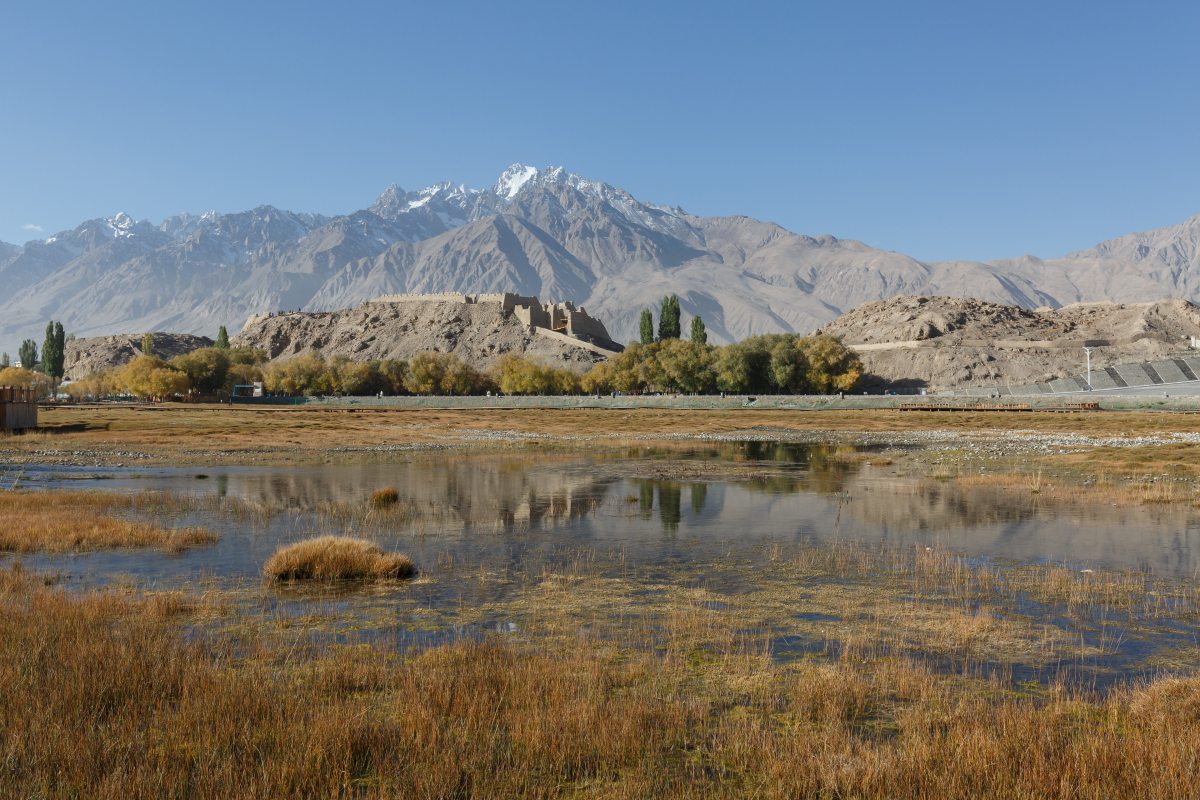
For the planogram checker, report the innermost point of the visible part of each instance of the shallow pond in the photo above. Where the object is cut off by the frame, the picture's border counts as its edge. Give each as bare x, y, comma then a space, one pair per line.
658, 506
633, 533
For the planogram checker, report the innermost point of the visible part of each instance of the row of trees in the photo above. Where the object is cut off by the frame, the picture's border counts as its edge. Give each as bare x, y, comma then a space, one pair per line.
207, 371
669, 326
770, 364
54, 350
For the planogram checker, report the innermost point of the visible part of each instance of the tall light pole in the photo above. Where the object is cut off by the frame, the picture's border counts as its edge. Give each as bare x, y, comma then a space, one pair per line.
1088, 350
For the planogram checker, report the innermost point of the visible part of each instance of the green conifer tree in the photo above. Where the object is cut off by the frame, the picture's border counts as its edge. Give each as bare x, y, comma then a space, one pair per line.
222, 338
647, 327
668, 318
699, 333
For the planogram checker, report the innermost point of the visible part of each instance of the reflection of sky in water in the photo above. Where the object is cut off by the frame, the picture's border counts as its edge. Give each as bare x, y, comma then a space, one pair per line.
655, 506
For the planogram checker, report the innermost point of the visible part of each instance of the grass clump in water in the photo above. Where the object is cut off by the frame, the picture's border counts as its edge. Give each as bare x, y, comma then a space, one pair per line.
385, 498
61, 522
333, 557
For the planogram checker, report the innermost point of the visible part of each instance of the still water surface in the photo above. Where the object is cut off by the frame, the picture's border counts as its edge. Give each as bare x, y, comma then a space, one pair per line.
655, 507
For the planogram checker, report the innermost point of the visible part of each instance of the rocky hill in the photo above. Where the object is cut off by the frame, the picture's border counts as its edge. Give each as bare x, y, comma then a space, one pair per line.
478, 334
945, 342
97, 353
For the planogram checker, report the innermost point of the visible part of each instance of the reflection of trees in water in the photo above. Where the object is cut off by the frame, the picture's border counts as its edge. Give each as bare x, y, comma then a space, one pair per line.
670, 500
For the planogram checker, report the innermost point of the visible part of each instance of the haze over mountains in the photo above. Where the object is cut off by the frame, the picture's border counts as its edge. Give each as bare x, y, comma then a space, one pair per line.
549, 233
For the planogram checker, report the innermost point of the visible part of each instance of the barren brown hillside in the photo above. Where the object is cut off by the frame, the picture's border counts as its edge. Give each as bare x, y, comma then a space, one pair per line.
947, 342
478, 334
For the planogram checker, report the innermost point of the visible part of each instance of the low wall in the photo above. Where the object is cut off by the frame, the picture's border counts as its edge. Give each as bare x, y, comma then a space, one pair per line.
744, 402
1012, 344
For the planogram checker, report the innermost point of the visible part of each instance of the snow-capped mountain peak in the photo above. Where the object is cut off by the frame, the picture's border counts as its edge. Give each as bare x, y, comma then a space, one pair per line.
122, 225
512, 180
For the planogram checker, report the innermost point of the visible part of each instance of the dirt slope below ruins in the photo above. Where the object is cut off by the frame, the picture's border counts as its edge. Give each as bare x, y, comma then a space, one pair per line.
943, 342
85, 356
478, 334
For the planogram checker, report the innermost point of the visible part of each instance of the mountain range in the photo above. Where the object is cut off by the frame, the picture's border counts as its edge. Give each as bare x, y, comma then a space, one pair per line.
546, 232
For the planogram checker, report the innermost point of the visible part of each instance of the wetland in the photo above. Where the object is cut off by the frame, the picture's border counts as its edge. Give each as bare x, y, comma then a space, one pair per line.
765, 609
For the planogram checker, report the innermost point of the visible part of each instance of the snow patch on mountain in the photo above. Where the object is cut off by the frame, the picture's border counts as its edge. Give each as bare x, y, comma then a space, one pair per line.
512, 180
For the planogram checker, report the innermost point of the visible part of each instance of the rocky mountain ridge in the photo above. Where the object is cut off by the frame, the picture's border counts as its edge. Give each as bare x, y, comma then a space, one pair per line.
545, 232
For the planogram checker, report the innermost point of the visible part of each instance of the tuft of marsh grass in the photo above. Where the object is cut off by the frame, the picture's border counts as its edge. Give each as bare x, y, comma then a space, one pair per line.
385, 498
60, 522
335, 557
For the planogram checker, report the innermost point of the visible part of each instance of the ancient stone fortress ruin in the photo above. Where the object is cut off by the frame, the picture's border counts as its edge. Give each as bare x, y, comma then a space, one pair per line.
556, 318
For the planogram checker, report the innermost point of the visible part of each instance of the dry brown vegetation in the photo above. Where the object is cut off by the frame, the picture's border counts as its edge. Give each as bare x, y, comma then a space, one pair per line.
58, 522
1104, 490
335, 557
383, 498
104, 697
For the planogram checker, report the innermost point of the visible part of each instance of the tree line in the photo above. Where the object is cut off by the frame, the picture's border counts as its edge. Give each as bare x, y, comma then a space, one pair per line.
768, 364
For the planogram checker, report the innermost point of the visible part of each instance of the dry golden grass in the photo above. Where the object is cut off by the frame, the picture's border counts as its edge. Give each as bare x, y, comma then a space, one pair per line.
167, 429
335, 557
1105, 490
385, 498
59, 522
105, 697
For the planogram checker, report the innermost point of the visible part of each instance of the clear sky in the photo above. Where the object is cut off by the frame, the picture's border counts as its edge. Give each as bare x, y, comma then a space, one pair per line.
941, 130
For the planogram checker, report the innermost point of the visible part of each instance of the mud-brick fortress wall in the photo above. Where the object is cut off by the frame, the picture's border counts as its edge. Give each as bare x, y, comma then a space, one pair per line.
561, 317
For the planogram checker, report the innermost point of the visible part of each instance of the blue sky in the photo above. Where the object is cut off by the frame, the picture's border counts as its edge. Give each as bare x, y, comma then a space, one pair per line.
955, 130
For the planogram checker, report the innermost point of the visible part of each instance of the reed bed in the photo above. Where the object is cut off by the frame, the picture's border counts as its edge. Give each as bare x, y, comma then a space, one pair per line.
103, 696
1103, 490
60, 522
327, 558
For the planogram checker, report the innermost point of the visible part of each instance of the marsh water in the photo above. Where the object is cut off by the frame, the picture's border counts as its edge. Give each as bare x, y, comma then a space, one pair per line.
704, 516
657, 506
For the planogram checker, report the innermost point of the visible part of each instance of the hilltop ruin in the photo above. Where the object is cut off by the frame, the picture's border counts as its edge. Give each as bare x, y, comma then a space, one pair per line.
478, 329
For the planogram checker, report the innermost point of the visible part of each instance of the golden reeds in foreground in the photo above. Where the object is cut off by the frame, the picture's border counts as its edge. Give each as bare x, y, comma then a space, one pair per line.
331, 557
102, 696
59, 522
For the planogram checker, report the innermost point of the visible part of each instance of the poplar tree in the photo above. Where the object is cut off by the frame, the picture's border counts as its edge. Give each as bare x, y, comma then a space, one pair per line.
60, 352
4, 361
147, 344
222, 339
699, 334
668, 318
28, 354
647, 327
48, 347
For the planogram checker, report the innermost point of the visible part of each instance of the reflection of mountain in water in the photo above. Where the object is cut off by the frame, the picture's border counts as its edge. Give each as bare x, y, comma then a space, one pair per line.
930, 505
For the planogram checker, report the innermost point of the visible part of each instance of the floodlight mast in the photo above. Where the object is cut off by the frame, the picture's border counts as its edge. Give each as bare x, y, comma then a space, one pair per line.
1088, 350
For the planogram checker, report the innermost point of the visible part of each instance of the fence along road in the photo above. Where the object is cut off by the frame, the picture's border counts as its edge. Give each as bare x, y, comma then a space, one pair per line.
751, 402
